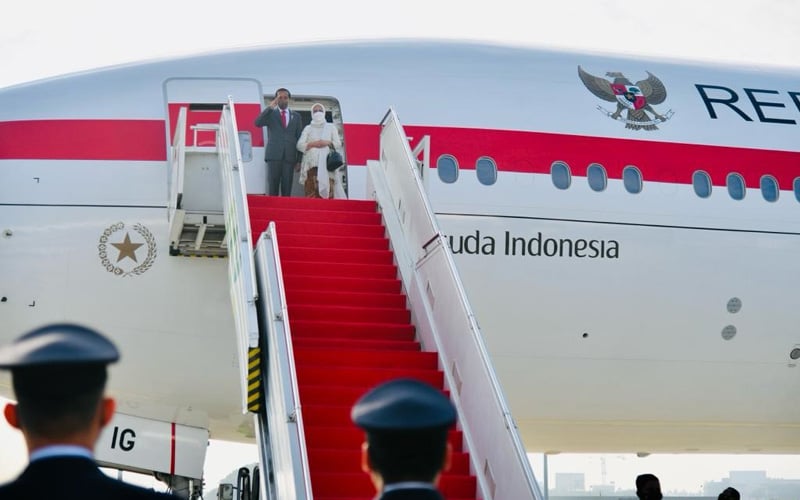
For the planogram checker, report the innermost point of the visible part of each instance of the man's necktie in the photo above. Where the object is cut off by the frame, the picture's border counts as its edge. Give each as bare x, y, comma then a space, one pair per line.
283, 117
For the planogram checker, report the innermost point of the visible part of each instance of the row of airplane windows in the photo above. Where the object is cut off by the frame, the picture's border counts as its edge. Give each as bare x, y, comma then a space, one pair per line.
486, 171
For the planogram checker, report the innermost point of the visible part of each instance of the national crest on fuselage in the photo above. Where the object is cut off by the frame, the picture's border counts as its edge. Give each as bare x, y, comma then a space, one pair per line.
635, 99
125, 250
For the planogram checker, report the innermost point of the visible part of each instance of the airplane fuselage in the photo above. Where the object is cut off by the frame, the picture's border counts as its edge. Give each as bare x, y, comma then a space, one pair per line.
631, 256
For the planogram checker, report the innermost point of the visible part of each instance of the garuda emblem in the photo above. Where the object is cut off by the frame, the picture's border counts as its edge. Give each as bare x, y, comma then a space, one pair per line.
635, 99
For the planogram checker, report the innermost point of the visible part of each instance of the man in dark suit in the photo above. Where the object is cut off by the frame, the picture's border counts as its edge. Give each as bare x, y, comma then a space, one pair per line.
284, 127
406, 450
59, 373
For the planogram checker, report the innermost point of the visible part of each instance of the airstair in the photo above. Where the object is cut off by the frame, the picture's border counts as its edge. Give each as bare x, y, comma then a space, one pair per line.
197, 226
331, 297
350, 330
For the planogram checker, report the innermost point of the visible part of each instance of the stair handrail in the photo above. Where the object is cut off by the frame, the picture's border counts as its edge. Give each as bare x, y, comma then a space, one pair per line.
241, 267
283, 408
243, 213
176, 165
422, 252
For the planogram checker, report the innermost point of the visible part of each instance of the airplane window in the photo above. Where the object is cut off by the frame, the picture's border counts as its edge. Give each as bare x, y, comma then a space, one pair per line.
632, 179
486, 169
769, 188
702, 184
447, 167
596, 176
736, 186
246, 146
559, 171
797, 188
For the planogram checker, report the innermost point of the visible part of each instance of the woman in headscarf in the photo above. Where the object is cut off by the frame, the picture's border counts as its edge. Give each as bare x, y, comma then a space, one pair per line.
315, 143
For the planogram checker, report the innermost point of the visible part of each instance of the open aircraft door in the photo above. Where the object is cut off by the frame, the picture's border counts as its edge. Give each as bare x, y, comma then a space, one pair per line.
203, 99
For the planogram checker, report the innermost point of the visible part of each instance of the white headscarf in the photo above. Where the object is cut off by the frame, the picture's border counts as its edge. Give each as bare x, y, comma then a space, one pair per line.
317, 118
318, 123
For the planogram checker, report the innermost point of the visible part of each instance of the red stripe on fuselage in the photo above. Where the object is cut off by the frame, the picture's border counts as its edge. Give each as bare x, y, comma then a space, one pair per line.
512, 151
245, 121
535, 152
142, 140
172, 442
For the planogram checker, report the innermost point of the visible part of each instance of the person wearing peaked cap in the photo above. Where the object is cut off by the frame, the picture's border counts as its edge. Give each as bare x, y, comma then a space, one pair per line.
58, 373
406, 450
648, 487
729, 494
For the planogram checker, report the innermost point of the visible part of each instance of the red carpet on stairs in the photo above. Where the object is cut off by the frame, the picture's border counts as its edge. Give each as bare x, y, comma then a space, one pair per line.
350, 329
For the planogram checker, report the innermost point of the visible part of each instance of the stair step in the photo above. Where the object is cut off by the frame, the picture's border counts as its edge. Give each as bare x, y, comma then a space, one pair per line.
350, 436
339, 497
326, 415
339, 270
263, 201
358, 484
297, 296
332, 396
325, 284
326, 395
305, 215
364, 378
321, 241
324, 312
332, 460
336, 255
338, 415
379, 359
319, 228
356, 344
343, 330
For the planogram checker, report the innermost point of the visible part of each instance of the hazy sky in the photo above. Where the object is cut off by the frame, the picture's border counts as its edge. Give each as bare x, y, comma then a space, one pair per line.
41, 38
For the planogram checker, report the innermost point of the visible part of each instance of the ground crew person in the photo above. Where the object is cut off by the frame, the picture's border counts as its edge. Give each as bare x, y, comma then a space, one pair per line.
406, 450
59, 374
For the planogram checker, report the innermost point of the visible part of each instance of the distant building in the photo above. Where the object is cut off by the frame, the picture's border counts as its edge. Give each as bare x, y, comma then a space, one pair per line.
602, 490
755, 485
569, 483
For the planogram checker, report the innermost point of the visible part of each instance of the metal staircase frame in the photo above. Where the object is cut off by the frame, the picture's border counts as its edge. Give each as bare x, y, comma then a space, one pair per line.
444, 319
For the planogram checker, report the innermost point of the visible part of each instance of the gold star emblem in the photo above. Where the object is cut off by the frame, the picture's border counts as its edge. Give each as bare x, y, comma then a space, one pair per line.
127, 249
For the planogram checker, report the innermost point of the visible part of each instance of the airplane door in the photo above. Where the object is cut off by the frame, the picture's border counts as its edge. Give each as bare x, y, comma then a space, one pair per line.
204, 98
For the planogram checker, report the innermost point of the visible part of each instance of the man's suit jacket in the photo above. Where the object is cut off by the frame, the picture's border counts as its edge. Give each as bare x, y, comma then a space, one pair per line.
72, 478
281, 142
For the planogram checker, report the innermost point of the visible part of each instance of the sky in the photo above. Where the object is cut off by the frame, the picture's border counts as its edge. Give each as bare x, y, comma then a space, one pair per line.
43, 38
40, 38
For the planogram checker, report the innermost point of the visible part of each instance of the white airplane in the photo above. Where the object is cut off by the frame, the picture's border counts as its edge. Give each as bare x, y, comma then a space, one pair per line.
626, 229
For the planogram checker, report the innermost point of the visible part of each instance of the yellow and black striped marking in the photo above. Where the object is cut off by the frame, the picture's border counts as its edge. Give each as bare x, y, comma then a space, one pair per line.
254, 379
